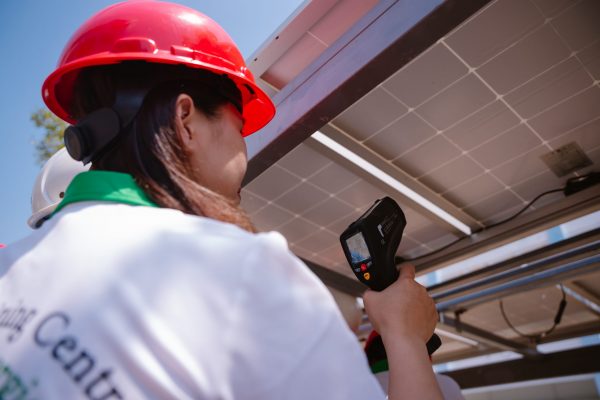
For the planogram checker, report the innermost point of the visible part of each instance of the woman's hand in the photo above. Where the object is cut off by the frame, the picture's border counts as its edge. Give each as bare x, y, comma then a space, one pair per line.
403, 309
405, 317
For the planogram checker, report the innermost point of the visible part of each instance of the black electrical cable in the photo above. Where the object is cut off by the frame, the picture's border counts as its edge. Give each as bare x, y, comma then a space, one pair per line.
539, 196
521, 211
537, 337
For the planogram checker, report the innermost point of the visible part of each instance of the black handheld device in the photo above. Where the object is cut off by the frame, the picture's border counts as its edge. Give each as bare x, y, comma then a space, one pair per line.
370, 244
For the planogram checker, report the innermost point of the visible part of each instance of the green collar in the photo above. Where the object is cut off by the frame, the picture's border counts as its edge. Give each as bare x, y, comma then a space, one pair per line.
104, 186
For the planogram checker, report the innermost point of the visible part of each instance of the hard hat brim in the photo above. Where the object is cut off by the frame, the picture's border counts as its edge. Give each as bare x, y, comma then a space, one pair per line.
258, 109
36, 217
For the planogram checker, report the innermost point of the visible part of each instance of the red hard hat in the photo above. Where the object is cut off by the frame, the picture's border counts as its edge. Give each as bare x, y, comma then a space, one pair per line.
156, 32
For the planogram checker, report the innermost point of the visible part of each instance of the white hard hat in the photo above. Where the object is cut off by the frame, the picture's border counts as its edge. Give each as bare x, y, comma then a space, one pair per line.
50, 185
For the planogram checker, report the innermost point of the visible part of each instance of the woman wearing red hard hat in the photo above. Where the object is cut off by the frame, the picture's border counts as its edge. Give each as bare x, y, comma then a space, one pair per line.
148, 281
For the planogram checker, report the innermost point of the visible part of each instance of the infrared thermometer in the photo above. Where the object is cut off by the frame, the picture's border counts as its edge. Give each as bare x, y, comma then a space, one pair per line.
370, 244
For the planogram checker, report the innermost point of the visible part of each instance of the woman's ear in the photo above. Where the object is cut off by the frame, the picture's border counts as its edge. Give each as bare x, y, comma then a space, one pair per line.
184, 110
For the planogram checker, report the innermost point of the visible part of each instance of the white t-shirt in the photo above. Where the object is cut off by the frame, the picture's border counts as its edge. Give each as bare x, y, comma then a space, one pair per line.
111, 301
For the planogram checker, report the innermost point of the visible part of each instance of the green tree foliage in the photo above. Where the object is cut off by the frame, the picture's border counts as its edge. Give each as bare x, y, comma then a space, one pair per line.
52, 140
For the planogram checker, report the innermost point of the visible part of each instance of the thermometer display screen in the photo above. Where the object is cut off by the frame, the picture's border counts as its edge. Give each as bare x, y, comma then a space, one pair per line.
358, 248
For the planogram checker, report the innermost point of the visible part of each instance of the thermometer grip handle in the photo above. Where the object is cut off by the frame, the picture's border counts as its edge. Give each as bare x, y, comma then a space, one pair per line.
433, 344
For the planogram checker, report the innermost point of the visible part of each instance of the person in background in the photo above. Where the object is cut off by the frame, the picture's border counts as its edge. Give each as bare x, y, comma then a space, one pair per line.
149, 281
50, 185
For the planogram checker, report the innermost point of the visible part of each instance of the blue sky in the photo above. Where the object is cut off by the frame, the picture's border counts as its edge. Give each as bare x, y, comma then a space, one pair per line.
32, 35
